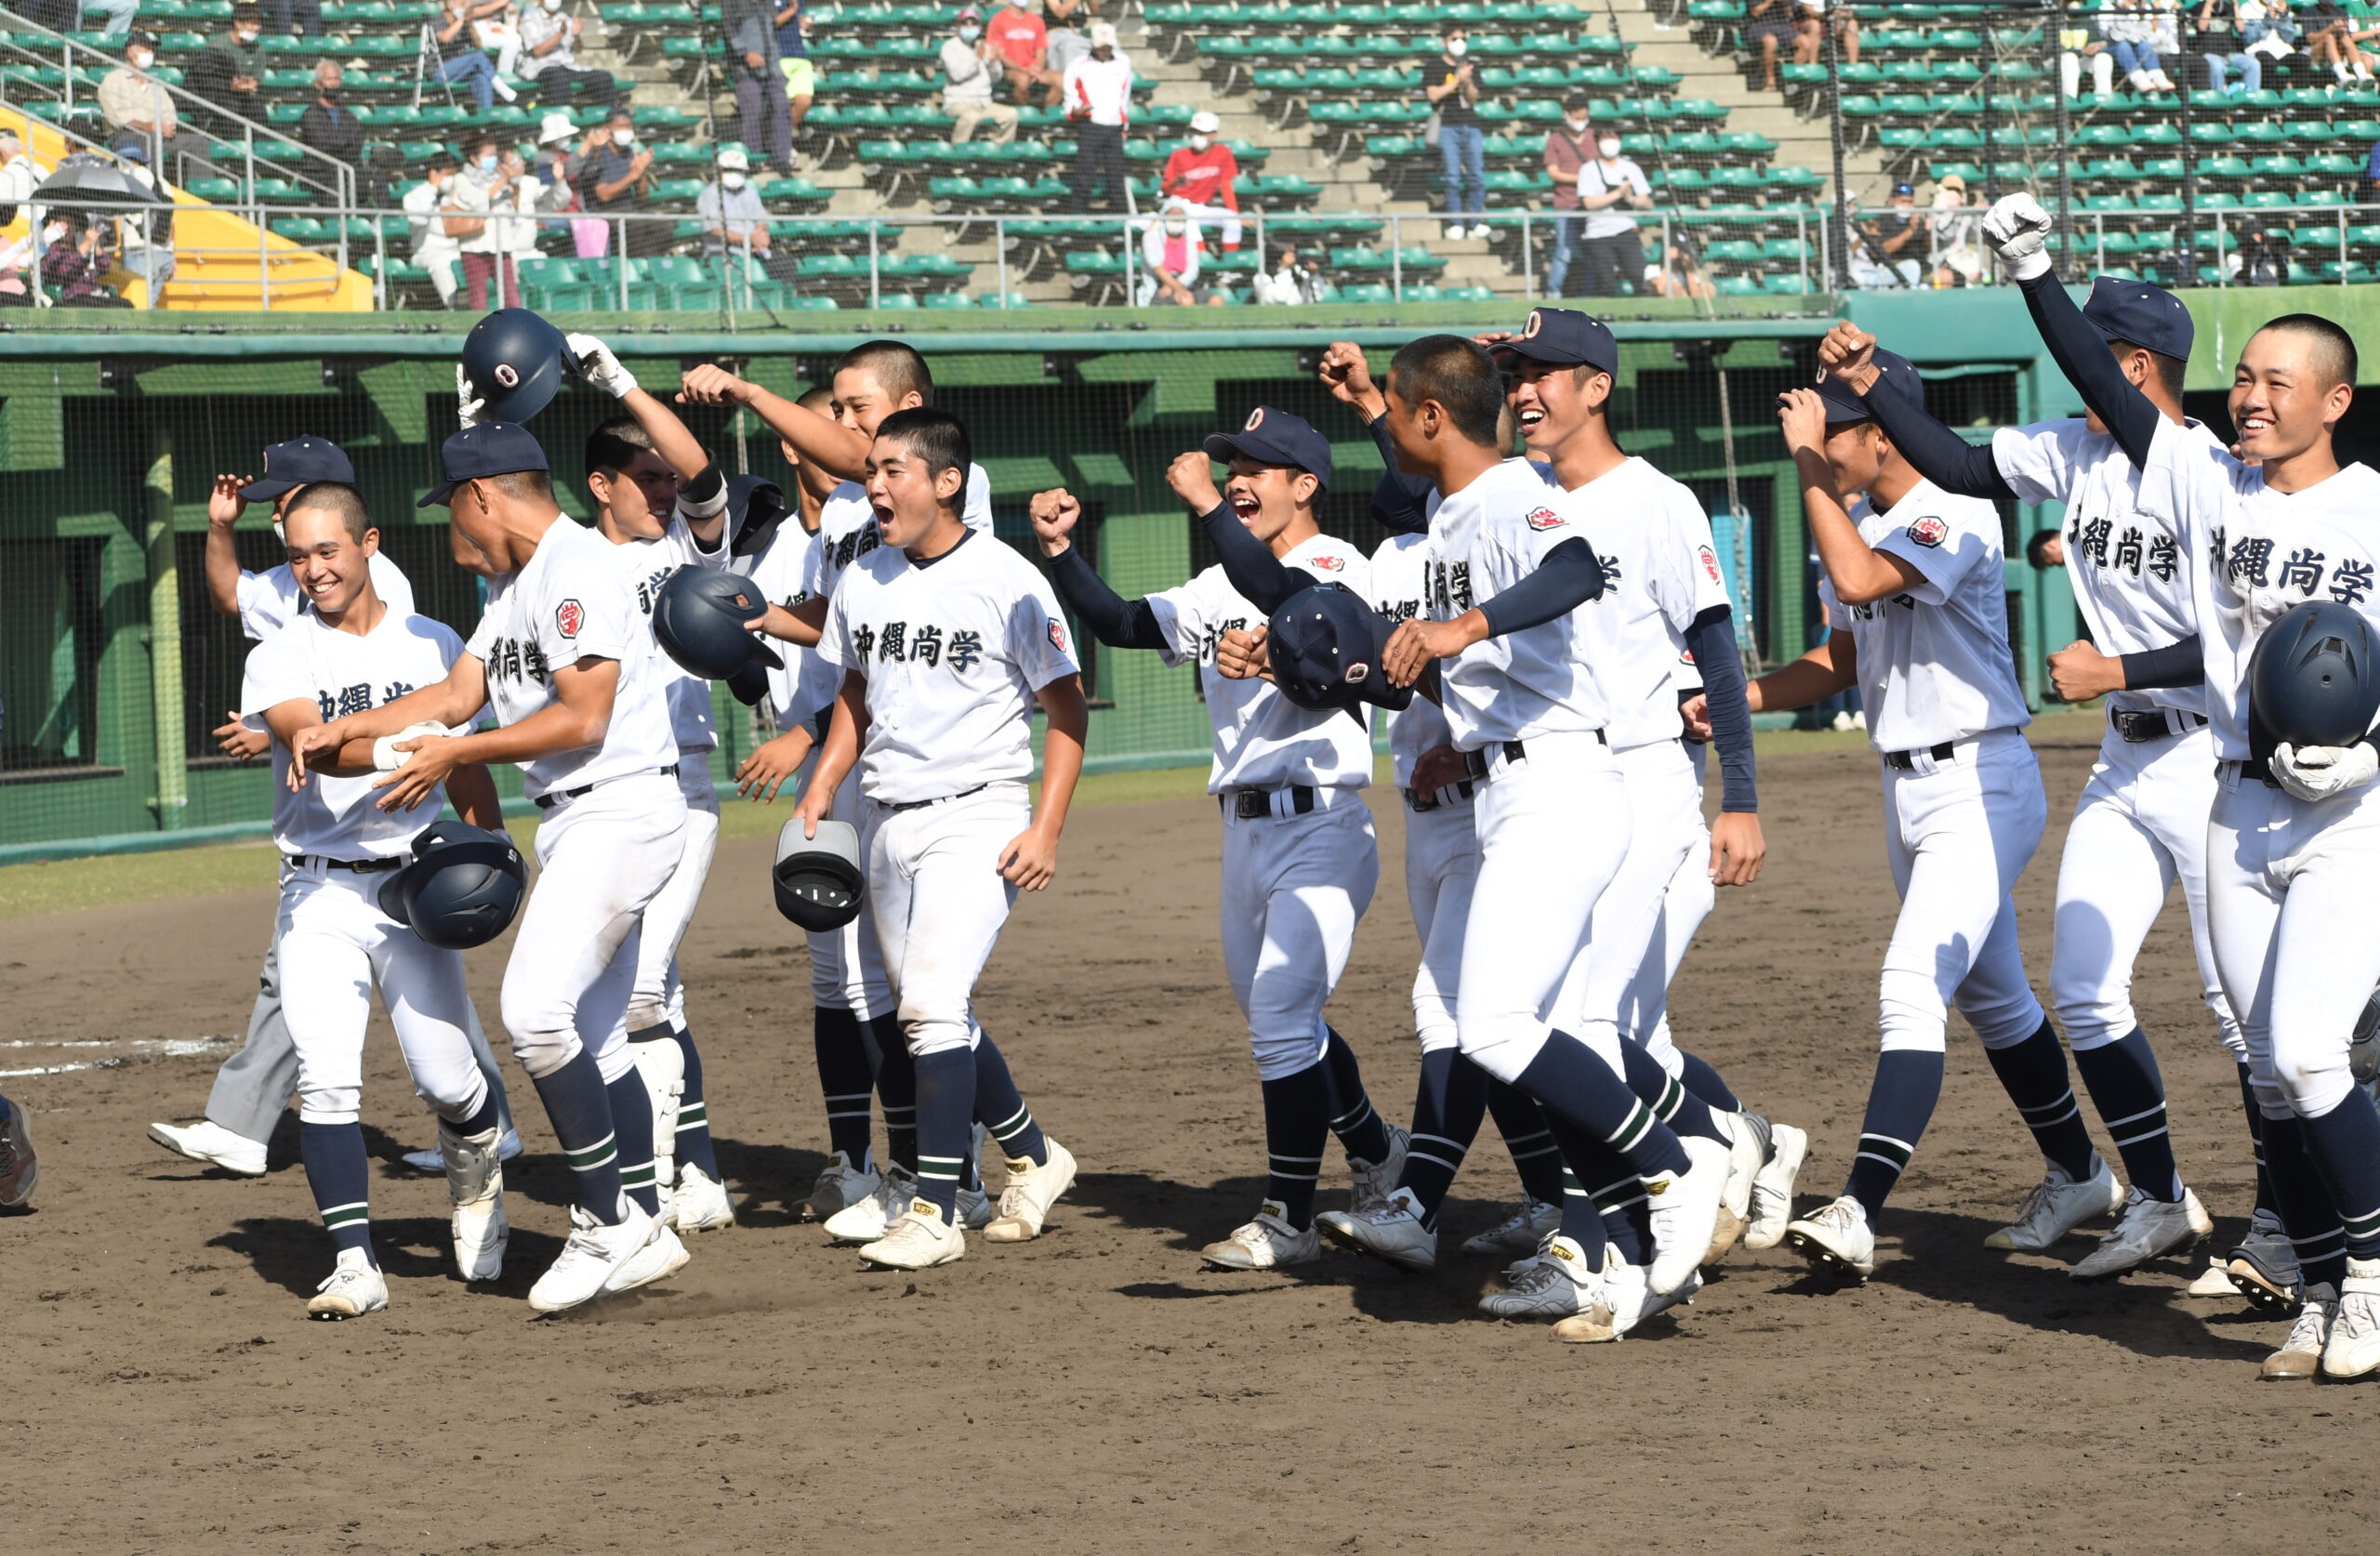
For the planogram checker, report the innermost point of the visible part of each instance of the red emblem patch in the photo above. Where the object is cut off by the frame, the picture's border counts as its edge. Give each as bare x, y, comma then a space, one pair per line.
1545, 519
569, 616
1929, 532
1710, 564
1058, 634
1330, 564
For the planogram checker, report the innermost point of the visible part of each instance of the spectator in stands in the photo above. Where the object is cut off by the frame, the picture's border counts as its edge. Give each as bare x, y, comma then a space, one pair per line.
1063, 22
229, 71
762, 116
556, 170
1463, 144
1681, 274
20, 175
1809, 41
970, 67
800, 76
2261, 256
460, 59
434, 249
145, 242
1170, 247
1957, 256
1298, 279
496, 26
519, 233
134, 104
729, 209
2232, 19
1099, 103
2330, 41
1610, 186
2131, 30
17, 256
1769, 26
1565, 153
298, 17
617, 177
329, 126
1199, 176
75, 260
1020, 42
119, 13
2095, 53
481, 197
549, 61
1893, 239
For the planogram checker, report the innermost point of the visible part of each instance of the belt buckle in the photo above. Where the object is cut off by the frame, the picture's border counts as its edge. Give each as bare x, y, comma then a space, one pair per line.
1252, 805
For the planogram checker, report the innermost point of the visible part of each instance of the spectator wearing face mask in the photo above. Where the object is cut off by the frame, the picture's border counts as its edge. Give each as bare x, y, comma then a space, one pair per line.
617, 178
1567, 148
1170, 247
329, 124
1462, 142
433, 249
730, 208
230, 70
1099, 104
549, 61
75, 260
136, 104
1610, 185
969, 66
483, 199
1199, 176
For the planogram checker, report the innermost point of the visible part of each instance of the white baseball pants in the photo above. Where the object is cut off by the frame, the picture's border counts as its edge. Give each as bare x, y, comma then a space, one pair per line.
937, 899
1294, 888
660, 992
1621, 977
1441, 867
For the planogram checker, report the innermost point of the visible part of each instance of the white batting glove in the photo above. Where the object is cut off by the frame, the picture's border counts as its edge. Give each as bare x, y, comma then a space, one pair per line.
385, 755
468, 405
2318, 773
599, 367
2018, 229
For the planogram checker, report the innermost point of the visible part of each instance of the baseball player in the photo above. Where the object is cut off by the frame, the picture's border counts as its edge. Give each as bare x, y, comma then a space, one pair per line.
568, 664
2140, 825
351, 651
1299, 856
1913, 590
254, 1083
662, 502
946, 640
1509, 661
20, 1168
2291, 835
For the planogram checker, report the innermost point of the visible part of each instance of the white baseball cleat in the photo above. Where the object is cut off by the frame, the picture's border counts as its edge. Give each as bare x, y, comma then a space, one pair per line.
1772, 1186
2301, 1355
475, 1191
839, 1186
2353, 1349
2264, 1267
210, 1142
1268, 1241
658, 1259
1685, 1208
1623, 1302
432, 1163
1744, 1160
2147, 1228
2056, 1205
1391, 1230
870, 1219
591, 1256
354, 1288
1025, 1204
699, 1202
920, 1240
1374, 1179
2213, 1281
1523, 1232
1555, 1285
1837, 1237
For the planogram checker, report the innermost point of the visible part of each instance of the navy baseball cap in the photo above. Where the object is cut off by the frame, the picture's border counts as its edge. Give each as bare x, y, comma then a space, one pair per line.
1900, 380
1273, 437
1326, 645
299, 462
1904, 188
493, 448
1564, 338
2140, 314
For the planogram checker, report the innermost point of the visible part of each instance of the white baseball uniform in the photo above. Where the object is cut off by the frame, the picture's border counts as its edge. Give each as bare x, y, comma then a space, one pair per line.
2140, 825
2288, 882
1660, 573
614, 822
1553, 810
1964, 807
337, 849
1299, 860
269, 601
1441, 835
952, 654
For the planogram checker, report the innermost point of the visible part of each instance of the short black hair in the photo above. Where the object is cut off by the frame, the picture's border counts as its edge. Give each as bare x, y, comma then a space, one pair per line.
613, 445
817, 397
1459, 374
939, 438
1578, 102
2171, 371
901, 368
332, 497
441, 158
487, 140
524, 485
246, 11
2334, 348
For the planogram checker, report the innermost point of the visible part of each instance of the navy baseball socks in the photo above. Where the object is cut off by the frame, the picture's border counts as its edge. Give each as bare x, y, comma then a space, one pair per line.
1674, 1104
2266, 1206
946, 1125
340, 1172
2343, 1145
1352, 1118
694, 1146
1900, 1102
580, 1111
1297, 1121
999, 1107
2033, 1073
2129, 1093
845, 1079
1535, 1157
1448, 1104
896, 1090
632, 1135
2307, 1213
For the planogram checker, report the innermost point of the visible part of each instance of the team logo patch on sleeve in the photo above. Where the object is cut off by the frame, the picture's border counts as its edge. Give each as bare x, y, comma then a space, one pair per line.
1328, 565
1710, 562
1544, 518
1929, 531
569, 616
1058, 634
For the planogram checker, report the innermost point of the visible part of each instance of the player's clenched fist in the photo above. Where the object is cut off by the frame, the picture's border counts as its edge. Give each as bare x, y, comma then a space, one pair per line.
771, 763
710, 384
1348, 377
2079, 672
1849, 352
1030, 860
1191, 475
1243, 654
1054, 513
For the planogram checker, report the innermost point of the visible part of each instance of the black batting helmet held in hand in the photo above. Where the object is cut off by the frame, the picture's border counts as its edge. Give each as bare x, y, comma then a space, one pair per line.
698, 619
756, 510
2313, 679
818, 880
516, 362
463, 888
1325, 647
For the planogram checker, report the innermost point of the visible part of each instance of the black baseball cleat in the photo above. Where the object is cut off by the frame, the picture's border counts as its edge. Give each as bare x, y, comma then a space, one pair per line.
19, 1170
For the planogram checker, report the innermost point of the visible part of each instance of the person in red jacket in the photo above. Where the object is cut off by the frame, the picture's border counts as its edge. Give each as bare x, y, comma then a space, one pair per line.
1200, 175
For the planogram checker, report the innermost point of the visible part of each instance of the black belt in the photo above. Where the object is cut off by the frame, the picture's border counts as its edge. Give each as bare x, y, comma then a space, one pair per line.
1418, 802
1256, 804
921, 804
2260, 771
548, 800
360, 866
1908, 759
2154, 723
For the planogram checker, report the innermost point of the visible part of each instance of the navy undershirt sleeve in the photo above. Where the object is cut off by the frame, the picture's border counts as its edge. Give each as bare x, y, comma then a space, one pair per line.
1110, 617
1712, 641
1251, 565
2082, 354
1940, 454
1570, 576
2182, 664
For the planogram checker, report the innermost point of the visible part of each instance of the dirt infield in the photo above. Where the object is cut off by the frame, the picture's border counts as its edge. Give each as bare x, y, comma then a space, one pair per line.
1096, 1392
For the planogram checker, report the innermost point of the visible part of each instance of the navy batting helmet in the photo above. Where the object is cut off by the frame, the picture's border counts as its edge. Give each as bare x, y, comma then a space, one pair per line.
698, 619
2313, 679
516, 362
756, 508
818, 880
463, 888
1325, 647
